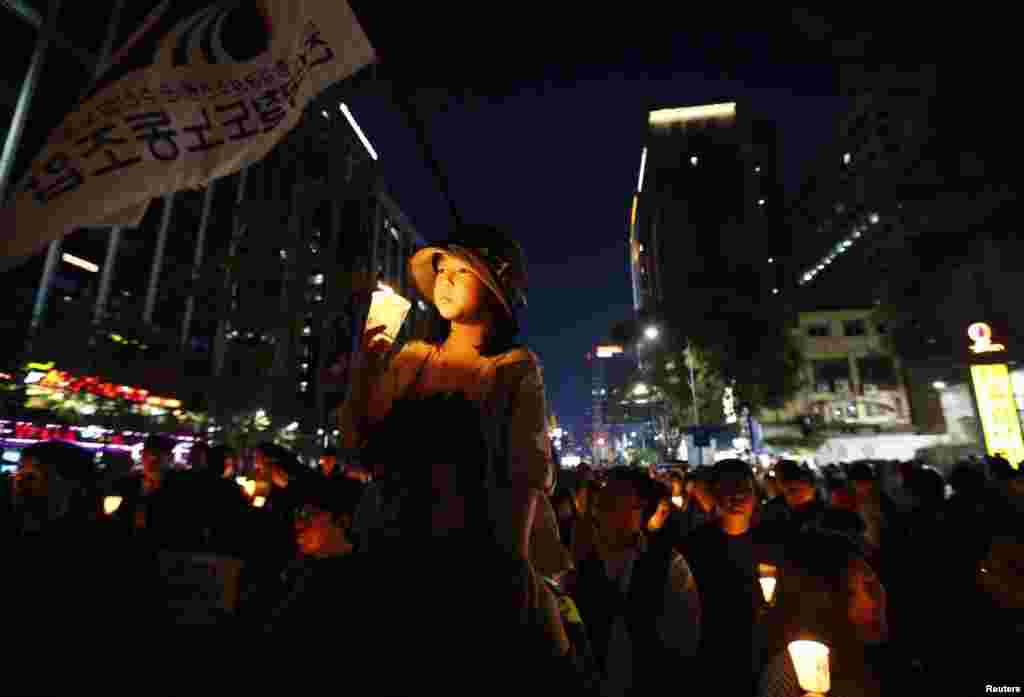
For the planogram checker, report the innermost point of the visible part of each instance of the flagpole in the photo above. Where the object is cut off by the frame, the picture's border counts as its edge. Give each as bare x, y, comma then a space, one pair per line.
158, 260
114, 241
197, 264
408, 108
25, 98
17, 129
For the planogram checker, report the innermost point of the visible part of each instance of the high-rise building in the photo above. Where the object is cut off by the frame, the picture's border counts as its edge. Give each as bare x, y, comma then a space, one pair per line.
235, 297
610, 368
705, 220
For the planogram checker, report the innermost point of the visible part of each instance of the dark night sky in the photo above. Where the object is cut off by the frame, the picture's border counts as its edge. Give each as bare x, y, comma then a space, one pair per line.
558, 165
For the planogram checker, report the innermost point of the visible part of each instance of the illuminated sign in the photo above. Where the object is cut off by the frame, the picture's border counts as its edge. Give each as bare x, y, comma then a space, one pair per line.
359, 132
998, 411
643, 168
981, 334
80, 263
45, 367
665, 117
608, 351
53, 382
34, 377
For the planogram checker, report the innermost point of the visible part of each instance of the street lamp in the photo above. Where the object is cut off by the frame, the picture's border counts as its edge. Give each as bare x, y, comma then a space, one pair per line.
651, 333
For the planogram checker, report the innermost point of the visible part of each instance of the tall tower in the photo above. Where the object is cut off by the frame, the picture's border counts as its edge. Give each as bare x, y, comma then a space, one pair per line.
705, 216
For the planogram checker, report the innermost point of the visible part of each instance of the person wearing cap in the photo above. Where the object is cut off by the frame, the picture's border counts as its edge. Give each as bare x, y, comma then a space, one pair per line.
476, 373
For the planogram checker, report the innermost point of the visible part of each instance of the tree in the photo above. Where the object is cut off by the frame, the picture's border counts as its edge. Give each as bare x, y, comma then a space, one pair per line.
670, 373
752, 348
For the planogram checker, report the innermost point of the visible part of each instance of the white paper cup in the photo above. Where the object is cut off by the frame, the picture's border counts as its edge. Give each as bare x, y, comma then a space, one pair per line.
111, 504
390, 309
768, 587
810, 658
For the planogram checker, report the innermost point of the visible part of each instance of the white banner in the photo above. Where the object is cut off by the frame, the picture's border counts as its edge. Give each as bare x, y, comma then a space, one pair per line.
202, 89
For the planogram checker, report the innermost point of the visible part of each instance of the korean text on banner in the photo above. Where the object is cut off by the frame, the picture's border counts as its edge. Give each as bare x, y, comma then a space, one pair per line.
998, 411
202, 89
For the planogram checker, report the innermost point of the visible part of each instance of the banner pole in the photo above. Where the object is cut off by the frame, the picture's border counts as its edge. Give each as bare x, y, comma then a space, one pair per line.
17, 129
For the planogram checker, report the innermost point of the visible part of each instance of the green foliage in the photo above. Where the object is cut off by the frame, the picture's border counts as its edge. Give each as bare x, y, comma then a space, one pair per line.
670, 373
642, 457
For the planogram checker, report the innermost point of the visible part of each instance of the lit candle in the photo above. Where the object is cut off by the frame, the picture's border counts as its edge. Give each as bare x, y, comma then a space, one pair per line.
678, 501
810, 658
768, 579
259, 501
250, 487
111, 504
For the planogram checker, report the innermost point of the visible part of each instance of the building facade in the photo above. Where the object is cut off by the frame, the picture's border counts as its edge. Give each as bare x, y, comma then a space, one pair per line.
236, 298
852, 377
705, 218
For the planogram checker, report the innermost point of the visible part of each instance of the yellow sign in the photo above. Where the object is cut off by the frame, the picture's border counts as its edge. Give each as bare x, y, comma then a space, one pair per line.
981, 335
998, 412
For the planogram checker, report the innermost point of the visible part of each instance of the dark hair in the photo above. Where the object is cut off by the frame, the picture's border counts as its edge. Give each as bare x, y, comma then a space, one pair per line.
791, 471
218, 455
730, 466
158, 444
283, 458
74, 465
116, 463
967, 480
70, 462
336, 496
639, 479
928, 485
861, 472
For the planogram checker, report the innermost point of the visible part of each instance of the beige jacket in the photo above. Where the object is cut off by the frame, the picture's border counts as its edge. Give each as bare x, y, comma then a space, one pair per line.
510, 392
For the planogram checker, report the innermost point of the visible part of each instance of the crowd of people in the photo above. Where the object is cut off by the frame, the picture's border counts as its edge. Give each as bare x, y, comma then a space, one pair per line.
442, 549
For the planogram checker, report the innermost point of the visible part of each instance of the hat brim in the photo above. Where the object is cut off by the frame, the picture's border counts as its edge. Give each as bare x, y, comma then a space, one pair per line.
421, 269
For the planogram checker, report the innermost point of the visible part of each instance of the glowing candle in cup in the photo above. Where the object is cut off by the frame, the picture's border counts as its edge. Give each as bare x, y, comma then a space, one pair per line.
768, 578
259, 501
388, 308
678, 501
249, 485
810, 658
111, 504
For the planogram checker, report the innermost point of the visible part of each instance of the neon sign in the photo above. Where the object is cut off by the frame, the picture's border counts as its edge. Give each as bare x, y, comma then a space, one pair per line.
981, 334
998, 411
